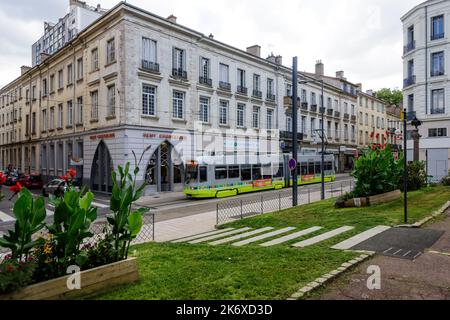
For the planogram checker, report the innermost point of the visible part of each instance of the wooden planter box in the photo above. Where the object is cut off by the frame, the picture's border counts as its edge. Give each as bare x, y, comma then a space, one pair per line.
380, 198
93, 281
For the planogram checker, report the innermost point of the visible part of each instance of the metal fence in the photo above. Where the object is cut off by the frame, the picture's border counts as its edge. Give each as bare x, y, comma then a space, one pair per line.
270, 201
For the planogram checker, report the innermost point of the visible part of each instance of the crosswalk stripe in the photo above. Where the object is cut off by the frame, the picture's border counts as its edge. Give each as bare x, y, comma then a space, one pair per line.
217, 236
6, 217
322, 237
350, 243
198, 236
263, 236
290, 237
99, 205
240, 236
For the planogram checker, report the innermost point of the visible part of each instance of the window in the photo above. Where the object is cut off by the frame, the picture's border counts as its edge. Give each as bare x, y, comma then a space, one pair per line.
288, 90
246, 173
27, 123
353, 134
256, 82
336, 106
223, 112
148, 100
378, 122
204, 110
440, 132
241, 78
410, 37
33, 93
204, 70
269, 119
52, 118
373, 121
437, 27
240, 115
60, 115
94, 105
352, 109
110, 51
69, 74
304, 96
410, 69
69, 113
60, 79
329, 129
255, 117
337, 134
289, 124
437, 64
52, 83
178, 60
224, 73
80, 69
178, 105
410, 103
80, 110
33, 123
361, 118
233, 172
221, 173
44, 120
346, 107
270, 89
313, 98
44, 87
111, 102
313, 127
329, 103
148, 50
437, 101
303, 127
345, 131
94, 59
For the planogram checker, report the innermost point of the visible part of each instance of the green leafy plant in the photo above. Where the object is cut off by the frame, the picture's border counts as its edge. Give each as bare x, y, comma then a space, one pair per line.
125, 223
417, 176
30, 215
15, 274
377, 172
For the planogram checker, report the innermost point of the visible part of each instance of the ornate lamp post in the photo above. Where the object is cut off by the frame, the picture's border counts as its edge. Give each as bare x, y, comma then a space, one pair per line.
416, 137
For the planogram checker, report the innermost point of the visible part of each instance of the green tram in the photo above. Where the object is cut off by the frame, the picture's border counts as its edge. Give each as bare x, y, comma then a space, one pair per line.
205, 181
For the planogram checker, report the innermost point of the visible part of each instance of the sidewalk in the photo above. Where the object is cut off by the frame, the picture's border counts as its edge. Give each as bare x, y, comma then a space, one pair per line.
426, 278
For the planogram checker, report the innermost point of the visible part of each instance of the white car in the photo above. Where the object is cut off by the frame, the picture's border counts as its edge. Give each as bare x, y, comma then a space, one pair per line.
56, 187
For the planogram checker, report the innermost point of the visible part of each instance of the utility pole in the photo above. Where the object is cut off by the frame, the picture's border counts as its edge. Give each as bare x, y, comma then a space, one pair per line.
294, 131
405, 166
322, 162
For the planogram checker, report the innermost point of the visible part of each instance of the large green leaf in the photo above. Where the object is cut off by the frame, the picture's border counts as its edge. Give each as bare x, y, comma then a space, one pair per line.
39, 212
135, 223
86, 201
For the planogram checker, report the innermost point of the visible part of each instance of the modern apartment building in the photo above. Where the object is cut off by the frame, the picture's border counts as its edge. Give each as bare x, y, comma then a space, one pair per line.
426, 58
134, 82
56, 35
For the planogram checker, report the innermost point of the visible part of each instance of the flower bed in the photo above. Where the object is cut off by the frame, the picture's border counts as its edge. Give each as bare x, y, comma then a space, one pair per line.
374, 200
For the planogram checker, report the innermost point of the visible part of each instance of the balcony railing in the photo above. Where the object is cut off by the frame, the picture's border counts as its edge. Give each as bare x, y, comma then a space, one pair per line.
330, 112
287, 135
322, 110
437, 73
270, 96
258, 94
337, 114
409, 47
305, 106
353, 119
409, 81
346, 117
150, 66
179, 73
313, 108
205, 81
437, 36
242, 90
225, 86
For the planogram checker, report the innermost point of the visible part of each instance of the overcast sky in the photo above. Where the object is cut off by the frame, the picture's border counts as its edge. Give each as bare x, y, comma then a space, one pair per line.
361, 37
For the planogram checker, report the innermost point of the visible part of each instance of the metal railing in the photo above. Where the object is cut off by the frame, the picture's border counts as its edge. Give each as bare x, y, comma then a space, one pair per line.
270, 202
409, 81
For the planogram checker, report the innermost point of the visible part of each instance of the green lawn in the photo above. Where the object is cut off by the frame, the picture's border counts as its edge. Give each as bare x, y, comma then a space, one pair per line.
182, 271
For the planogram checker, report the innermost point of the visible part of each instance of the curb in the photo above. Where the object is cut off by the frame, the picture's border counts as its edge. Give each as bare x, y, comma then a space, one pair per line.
319, 282
427, 219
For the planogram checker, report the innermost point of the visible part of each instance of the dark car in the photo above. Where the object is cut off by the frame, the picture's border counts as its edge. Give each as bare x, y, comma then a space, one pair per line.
12, 179
56, 187
32, 181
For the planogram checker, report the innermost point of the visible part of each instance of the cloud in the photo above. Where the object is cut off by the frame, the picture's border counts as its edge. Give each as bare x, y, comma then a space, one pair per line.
360, 37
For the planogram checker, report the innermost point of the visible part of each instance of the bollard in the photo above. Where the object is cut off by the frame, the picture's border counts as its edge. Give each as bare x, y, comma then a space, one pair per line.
309, 196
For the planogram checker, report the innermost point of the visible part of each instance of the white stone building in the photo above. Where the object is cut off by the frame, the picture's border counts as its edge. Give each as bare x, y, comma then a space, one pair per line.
426, 65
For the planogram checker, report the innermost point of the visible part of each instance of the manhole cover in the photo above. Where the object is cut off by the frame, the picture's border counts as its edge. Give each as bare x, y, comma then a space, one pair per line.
403, 243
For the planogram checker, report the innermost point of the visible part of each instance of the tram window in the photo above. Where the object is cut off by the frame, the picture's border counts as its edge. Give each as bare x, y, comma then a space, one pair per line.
191, 174
329, 166
256, 172
246, 173
278, 170
304, 168
318, 167
203, 174
311, 168
221, 173
267, 171
233, 172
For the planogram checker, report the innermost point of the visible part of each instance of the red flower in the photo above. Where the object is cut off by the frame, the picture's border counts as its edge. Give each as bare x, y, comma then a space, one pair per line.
72, 173
66, 177
2, 178
372, 134
374, 147
9, 268
378, 135
16, 188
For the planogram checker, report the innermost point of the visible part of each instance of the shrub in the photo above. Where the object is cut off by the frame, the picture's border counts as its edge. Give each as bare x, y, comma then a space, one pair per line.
417, 176
15, 274
446, 181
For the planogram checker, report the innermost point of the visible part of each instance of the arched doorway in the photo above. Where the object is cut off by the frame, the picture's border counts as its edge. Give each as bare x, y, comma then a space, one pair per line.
165, 170
102, 166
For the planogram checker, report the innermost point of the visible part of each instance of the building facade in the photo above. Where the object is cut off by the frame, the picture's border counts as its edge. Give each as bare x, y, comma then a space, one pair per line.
136, 84
426, 31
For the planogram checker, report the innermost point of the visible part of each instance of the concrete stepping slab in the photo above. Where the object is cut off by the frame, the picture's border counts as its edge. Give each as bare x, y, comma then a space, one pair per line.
361, 237
322, 237
241, 236
290, 237
221, 235
262, 237
5, 217
198, 236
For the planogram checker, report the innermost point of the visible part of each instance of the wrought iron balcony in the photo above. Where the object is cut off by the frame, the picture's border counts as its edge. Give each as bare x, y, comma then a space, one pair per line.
409, 81
313, 108
225, 86
257, 94
242, 90
150, 66
437, 73
353, 119
287, 135
322, 110
346, 117
305, 106
270, 96
330, 112
179, 73
437, 36
205, 81
337, 114
409, 47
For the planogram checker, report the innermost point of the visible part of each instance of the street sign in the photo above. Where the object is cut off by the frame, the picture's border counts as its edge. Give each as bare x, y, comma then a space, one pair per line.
292, 164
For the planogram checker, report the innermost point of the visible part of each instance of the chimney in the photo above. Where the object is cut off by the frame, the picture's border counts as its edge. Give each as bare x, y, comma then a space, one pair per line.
272, 58
254, 50
211, 36
279, 60
24, 69
172, 18
359, 86
369, 92
340, 74
98, 8
320, 68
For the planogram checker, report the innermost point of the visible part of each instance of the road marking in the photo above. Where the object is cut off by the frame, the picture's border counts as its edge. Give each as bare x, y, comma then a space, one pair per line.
198, 236
99, 205
398, 251
290, 237
217, 236
264, 236
240, 236
322, 237
416, 255
6, 217
407, 253
350, 243
440, 253
386, 251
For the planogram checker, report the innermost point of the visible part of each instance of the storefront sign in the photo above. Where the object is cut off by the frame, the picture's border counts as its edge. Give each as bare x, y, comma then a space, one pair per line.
103, 136
164, 136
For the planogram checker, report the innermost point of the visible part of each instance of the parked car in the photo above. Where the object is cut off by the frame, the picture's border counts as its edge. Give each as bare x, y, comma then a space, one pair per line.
56, 187
32, 181
13, 178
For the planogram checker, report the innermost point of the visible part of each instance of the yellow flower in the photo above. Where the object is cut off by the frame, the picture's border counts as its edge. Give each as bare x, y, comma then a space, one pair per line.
47, 249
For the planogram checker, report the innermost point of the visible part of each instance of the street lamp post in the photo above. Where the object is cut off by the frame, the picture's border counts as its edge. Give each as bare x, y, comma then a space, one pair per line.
405, 165
294, 131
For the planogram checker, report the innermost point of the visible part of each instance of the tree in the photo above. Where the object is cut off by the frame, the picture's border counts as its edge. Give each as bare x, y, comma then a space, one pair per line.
390, 96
